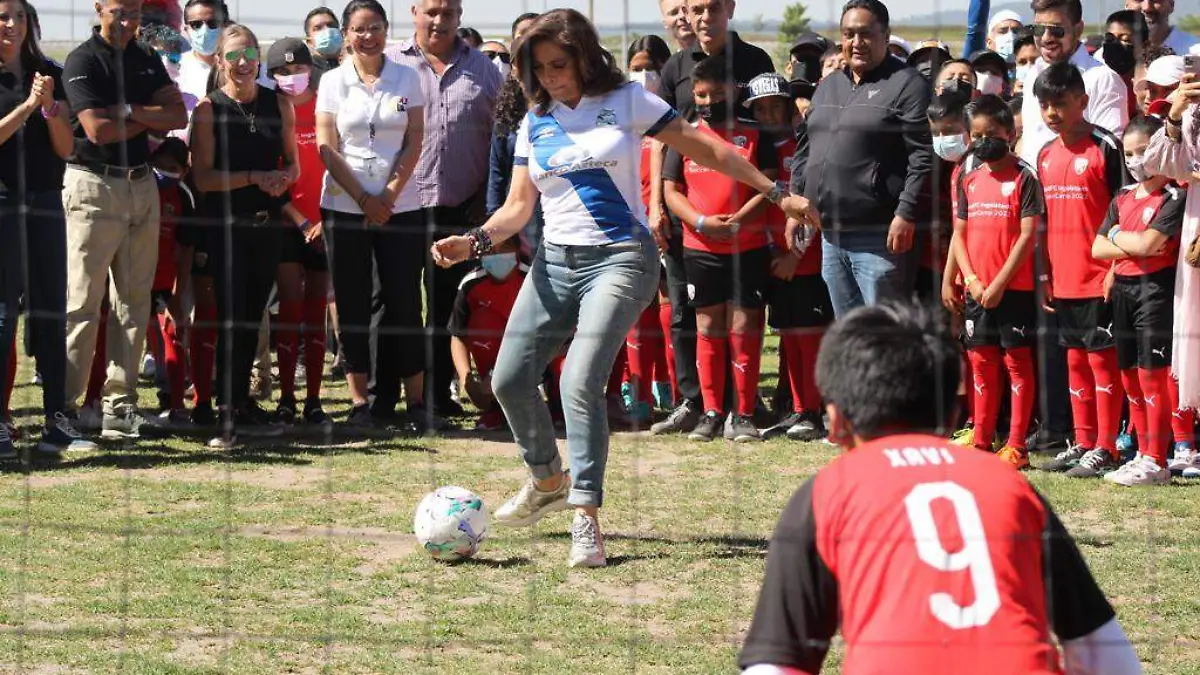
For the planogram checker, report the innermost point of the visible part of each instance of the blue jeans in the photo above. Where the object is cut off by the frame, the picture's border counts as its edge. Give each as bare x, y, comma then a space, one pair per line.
33, 264
590, 295
859, 270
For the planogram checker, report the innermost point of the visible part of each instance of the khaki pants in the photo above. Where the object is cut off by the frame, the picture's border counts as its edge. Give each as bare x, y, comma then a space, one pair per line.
112, 241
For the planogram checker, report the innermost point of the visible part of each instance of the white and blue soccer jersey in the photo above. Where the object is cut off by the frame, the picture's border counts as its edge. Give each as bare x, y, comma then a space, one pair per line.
586, 162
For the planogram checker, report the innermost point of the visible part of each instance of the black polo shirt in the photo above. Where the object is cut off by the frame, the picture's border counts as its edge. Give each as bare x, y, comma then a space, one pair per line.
98, 77
748, 63
28, 155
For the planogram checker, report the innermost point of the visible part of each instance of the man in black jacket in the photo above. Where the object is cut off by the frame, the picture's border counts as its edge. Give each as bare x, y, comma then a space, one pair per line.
863, 158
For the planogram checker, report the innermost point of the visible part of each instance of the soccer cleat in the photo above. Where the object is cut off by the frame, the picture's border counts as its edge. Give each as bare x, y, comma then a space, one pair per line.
203, 416
175, 419
1045, 440
964, 437
708, 428
60, 436
251, 420
530, 504
89, 418
640, 412
1140, 471
285, 412
1065, 459
810, 428
587, 544
1127, 444
743, 429
1016, 457
783, 426
314, 414
627, 394
1093, 464
8, 451
1185, 461
682, 420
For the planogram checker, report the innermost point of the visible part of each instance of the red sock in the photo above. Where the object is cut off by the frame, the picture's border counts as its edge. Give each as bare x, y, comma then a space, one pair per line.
746, 354
1156, 386
204, 352
314, 345
11, 380
1137, 406
664, 322
968, 390
287, 342
712, 355
1183, 420
1022, 381
801, 350
172, 351
99, 371
1081, 385
617, 376
642, 348
1109, 397
985, 371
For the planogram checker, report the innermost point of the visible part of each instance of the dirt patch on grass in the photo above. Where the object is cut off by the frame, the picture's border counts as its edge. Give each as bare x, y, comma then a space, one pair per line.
393, 611
199, 651
379, 548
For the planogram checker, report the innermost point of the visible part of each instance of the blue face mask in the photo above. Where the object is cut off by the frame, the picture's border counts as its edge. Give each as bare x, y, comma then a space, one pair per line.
328, 42
1004, 45
499, 265
204, 40
950, 148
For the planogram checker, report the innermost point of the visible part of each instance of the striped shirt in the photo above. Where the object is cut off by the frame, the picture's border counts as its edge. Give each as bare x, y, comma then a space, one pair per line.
458, 106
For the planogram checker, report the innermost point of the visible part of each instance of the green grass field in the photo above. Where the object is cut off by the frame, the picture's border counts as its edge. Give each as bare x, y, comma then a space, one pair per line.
168, 558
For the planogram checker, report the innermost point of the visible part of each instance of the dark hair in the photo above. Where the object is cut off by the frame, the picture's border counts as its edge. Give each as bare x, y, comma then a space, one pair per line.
173, 148
1074, 8
891, 368
1014, 104
1136, 22
954, 61
712, 70
511, 106
1059, 80
320, 11
574, 34
217, 6
1025, 40
1144, 124
875, 7
995, 109
369, 5
33, 60
653, 45
35, 23
946, 105
470, 36
520, 20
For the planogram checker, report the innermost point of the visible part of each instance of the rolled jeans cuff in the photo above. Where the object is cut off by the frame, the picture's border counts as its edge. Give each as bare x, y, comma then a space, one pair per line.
544, 471
579, 497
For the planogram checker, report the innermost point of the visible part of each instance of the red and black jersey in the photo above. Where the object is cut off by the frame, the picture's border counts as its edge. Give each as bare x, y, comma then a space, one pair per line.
306, 191
482, 307
1079, 181
776, 219
1161, 210
176, 205
933, 558
713, 193
993, 202
647, 148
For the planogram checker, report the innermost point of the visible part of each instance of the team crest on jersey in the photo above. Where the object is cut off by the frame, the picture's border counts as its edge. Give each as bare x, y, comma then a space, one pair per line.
1147, 214
606, 118
402, 104
1008, 188
1081, 165
970, 328
691, 291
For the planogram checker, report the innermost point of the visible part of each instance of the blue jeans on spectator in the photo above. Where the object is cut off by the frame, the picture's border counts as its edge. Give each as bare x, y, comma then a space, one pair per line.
33, 263
590, 295
859, 270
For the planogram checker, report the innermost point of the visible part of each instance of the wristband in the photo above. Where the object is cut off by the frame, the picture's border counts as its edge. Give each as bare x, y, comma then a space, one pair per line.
362, 199
305, 226
1112, 234
481, 243
1174, 122
700, 225
47, 114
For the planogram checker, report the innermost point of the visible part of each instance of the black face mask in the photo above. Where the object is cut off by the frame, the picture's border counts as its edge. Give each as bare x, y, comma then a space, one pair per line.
960, 87
715, 114
990, 149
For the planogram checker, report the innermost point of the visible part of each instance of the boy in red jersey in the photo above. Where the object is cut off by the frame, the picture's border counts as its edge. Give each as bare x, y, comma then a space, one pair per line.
796, 293
1141, 234
176, 204
1080, 172
725, 254
932, 558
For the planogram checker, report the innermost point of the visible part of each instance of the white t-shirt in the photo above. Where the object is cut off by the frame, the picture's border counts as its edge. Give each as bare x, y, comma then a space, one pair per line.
586, 162
396, 94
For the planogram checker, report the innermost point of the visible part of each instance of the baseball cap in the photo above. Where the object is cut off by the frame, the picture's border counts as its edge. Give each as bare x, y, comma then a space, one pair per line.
767, 85
286, 52
901, 43
815, 41
929, 49
1002, 16
988, 57
1165, 71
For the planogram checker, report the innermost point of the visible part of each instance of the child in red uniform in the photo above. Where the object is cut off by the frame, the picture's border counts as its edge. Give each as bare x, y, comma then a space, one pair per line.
999, 204
1141, 234
1080, 172
176, 203
303, 276
725, 254
796, 293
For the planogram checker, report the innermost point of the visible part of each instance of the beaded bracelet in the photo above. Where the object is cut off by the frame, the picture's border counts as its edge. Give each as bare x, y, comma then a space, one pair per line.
481, 243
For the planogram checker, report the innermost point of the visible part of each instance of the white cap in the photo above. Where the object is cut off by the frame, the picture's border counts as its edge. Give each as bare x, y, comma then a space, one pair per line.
1165, 71
1001, 17
901, 43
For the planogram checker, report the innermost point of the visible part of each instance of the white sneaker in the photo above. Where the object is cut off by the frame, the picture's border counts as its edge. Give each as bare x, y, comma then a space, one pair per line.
530, 504
587, 544
1141, 470
1185, 461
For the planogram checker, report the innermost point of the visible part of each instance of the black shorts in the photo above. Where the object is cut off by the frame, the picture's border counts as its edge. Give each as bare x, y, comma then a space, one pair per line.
295, 250
1143, 312
1012, 323
160, 300
802, 302
1085, 324
718, 278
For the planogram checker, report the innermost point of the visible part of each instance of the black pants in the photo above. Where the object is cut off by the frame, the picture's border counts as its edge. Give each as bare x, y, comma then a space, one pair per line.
243, 260
683, 321
378, 267
1054, 401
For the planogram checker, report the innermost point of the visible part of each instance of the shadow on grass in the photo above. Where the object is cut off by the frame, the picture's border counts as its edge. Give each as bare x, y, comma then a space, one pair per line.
729, 547
496, 564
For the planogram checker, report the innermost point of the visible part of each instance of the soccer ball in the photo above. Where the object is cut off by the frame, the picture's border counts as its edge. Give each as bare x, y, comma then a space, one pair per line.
451, 523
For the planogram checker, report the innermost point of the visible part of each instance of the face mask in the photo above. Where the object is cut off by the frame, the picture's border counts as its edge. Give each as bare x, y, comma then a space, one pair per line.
714, 114
990, 149
1022, 71
1137, 167
1004, 45
204, 40
649, 80
292, 85
990, 84
328, 42
962, 87
504, 68
499, 265
950, 148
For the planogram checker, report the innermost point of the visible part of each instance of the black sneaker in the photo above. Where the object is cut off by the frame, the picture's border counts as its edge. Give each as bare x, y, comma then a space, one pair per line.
781, 428
204, 416
1094, 464
8, 451
360, 417
809, 428
251, 420
708, 428
1067, 459
59, 436
682, 420
444, 406
314, 414
164, 401
424, 420
1045, 440
127, 424
744, 430
285, 412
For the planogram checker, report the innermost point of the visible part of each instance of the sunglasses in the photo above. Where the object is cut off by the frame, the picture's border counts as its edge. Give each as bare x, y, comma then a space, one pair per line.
1056, 32
213, 24
249, 53
505, 57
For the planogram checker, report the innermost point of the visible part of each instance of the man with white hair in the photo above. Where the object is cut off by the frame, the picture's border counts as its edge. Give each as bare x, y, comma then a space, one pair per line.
1002, 33
1165, 39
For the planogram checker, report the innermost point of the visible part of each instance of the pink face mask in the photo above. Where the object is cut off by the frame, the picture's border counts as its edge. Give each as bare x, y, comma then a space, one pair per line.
292, 85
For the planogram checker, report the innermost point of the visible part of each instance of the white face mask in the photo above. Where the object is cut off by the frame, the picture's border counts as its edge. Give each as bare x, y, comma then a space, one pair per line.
649, 80
1004, 45
499, 265
1022, 71
987, 83
504, 68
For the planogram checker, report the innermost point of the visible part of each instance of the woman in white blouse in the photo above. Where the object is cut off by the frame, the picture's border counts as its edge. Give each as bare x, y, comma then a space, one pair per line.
370, 121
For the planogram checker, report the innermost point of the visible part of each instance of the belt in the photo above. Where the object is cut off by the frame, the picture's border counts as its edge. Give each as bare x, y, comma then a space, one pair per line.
108, 171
